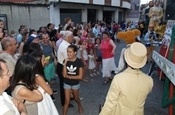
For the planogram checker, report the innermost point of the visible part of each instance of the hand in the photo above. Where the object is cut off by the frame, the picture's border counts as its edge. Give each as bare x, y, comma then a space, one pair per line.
15, 102
113, 52
23, 113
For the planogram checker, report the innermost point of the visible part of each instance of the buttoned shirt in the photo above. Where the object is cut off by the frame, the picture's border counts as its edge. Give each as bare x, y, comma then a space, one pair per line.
127, 93
62, 51
6, 105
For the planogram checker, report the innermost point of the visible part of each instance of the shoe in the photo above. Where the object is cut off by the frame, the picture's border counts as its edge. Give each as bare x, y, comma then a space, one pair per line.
71, 106
105, 82
98, 73
55, 92
94, 74
53, 98
91, 75
81, 98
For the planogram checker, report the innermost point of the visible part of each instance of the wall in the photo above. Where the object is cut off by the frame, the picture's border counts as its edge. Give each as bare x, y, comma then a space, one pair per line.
33, 16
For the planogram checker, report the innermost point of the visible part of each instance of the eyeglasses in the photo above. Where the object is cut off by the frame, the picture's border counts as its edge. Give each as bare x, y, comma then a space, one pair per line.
7, 74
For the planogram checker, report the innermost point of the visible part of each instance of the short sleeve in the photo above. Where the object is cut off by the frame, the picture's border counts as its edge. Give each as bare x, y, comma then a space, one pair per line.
80, 63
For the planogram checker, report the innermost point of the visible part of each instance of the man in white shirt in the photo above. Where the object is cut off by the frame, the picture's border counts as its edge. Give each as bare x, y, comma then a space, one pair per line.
61, 56
8, 105
9, 46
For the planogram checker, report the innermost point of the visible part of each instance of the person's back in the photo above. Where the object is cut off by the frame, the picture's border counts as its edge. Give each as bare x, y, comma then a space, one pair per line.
130, 88
136, 85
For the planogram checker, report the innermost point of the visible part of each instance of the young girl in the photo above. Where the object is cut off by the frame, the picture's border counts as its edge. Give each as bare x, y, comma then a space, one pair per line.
98, 54
92, 65
72, 73
84, 57
46, 106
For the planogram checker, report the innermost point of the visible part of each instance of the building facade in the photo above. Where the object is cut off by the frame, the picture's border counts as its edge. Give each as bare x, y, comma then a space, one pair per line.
36, 13
88, 10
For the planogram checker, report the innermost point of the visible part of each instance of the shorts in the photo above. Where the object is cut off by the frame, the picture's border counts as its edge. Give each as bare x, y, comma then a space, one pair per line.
74, 87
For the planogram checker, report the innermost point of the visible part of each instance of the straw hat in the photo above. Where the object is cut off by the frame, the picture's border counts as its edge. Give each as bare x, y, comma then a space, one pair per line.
136, 55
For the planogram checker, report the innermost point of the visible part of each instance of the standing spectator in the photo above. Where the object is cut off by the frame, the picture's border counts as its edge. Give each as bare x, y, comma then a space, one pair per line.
72, 73
92, 63
68, 22
151, 4
7, 103
98, 55
62, 55
19, 36
50, 28
129, 89
108, 51
150, 37
2, 32
95, 30
9, 46
46, 45
24, 86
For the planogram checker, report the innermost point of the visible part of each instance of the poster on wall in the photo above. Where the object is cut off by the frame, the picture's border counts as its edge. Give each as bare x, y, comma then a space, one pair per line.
134, 11
4, 18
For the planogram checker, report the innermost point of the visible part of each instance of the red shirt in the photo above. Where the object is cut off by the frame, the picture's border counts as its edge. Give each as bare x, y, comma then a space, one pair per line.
106, 49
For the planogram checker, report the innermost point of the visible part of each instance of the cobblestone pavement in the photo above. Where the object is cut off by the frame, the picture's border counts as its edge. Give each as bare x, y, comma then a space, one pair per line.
94, 93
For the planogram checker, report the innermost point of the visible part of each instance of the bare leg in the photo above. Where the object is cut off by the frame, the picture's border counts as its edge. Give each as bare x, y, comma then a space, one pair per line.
67, 100
77, 99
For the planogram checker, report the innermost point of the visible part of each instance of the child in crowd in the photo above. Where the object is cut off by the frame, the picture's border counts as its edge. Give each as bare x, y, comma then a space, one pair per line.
84, 56
92, 63
97, 53
150, 37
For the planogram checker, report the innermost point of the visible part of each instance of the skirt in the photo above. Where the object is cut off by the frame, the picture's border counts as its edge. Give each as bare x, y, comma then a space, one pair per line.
108, 65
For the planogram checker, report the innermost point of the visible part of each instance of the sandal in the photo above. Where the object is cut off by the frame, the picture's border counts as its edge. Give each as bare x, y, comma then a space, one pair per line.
105, 82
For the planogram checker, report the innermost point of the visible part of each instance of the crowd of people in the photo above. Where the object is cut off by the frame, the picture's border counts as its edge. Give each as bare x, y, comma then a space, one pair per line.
32, 58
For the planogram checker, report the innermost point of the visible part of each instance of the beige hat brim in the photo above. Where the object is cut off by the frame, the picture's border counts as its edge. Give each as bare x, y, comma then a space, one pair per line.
131, 63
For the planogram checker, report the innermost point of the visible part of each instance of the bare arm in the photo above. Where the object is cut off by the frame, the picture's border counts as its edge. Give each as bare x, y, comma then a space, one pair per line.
20, 106
26, 94
114, 46
41, 82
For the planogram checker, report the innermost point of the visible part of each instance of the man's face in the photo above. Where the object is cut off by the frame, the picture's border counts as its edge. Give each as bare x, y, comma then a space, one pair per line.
5, 76
151, 4
13, 45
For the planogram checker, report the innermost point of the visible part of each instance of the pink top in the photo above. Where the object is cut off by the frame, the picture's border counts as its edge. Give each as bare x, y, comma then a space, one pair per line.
106, 49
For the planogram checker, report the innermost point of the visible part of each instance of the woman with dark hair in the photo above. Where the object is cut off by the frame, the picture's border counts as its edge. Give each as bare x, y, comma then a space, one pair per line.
108, 51
23, 84
72, 73
46, 106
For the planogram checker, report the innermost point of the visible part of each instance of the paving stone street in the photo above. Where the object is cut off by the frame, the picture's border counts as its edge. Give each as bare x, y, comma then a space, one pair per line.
94, 93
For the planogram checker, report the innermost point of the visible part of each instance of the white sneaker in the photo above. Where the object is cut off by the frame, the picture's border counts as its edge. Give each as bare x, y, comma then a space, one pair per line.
91, 75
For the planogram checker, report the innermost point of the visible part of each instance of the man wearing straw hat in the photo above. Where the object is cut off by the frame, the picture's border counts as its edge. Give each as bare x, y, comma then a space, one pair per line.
129, 89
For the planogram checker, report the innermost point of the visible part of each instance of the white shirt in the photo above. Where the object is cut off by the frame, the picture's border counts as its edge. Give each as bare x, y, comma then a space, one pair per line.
62, 51
6, 105
58, 43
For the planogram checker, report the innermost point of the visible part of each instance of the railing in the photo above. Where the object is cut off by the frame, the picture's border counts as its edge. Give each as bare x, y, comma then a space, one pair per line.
165, 65
168, 68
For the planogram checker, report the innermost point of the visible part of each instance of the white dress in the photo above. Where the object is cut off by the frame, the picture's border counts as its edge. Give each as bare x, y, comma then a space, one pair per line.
46, 106
91, 62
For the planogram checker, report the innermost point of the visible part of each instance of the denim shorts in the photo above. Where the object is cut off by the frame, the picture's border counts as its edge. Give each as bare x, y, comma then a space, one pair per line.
75, 87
